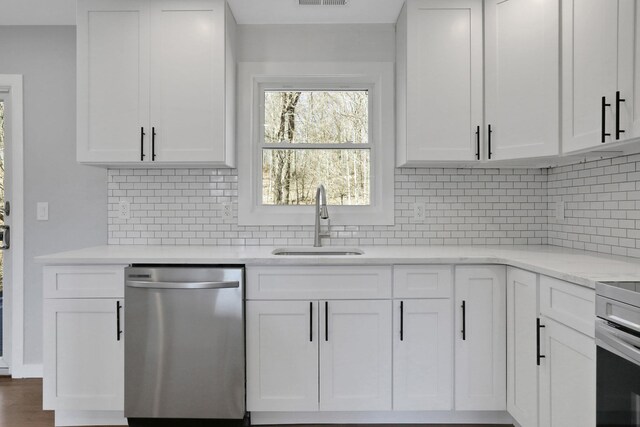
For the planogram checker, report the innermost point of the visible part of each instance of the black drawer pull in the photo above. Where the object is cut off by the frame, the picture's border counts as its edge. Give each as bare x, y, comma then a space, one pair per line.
619, 100
153, 144
477, 142
401, 320
464, 320
538, 355
604, 120
326, 320
489, 143
142, 134
311, 321
118, 330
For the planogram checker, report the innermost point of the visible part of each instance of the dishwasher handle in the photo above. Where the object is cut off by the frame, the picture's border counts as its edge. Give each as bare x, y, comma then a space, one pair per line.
183, 285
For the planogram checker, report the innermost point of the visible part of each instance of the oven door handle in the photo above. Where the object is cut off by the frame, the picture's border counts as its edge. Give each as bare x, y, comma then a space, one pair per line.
617, 341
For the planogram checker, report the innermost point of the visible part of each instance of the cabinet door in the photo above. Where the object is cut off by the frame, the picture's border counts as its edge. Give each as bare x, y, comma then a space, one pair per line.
422, 355
112, 80
522, 82
480, 338
628, 69
355, 356
188, 80
567, 378
522, 371
444, 79
83, 355
282, 356
589, 63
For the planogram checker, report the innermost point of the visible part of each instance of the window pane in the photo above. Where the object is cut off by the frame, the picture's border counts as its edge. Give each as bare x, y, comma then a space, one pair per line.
316, 117
290, 177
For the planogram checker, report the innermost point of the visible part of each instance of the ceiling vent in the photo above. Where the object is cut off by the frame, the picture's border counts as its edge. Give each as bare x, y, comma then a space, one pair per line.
322, 2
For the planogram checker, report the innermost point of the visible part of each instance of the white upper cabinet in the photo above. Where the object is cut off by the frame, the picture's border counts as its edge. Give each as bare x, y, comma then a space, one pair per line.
480, 360
187, 68
155, 82
522, 42
439, 81
598, 60
113, 86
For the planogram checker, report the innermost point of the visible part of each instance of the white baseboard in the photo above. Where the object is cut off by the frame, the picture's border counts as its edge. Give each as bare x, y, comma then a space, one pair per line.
387, 417
90, 418
26, 371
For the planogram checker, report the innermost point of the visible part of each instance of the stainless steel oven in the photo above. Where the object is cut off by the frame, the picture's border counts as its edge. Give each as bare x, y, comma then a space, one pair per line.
618, 354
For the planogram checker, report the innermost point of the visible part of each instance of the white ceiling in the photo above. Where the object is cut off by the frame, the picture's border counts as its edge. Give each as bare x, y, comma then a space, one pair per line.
63, 12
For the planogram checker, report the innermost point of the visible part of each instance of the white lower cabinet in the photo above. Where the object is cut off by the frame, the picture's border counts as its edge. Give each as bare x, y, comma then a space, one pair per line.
282, 355
522, 370
355, 356
83, 340
337, 358
84, 355
422, 355
480, 361
551, 369
567, 377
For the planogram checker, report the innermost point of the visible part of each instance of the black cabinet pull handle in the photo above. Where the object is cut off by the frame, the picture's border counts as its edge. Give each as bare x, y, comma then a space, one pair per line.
604, 120
311, 322
326, 320
118, 330
153, 144
489, 143
142, 134
401, 320
538, 355
464, 320
478, 143
618, 101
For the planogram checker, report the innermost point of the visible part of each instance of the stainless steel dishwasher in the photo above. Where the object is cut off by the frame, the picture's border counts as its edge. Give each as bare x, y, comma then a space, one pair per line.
184, 345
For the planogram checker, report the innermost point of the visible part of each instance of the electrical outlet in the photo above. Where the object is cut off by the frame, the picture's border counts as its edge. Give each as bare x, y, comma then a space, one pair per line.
419, 211
560, 208
227, 210
42, 211
124, 209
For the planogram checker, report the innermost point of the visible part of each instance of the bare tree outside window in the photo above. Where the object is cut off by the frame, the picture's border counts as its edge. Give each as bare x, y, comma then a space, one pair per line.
316, 137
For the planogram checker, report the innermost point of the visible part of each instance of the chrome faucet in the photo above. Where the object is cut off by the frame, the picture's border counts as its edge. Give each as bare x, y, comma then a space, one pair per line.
321, 212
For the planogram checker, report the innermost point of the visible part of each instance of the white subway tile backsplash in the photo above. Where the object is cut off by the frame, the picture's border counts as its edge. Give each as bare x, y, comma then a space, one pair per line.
602, 206
464, 206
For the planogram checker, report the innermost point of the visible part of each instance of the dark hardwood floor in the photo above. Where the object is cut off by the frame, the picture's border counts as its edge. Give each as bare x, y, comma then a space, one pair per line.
21, 406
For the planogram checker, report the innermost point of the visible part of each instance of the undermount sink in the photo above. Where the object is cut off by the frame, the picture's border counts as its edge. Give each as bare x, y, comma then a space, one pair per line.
317, 251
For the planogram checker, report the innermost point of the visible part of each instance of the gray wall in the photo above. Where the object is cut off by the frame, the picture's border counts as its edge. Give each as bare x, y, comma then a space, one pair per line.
77, 195
308, 43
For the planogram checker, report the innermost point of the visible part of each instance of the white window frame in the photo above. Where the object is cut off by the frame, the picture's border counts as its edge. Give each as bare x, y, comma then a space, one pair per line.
376, 78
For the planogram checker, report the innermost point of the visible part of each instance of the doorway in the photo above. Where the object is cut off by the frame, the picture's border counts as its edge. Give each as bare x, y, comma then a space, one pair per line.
11, 231
3, 105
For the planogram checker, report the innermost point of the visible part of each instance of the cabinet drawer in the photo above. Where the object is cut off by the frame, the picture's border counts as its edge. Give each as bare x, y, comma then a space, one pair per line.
84, 281
327, 282
422, 281
570, 304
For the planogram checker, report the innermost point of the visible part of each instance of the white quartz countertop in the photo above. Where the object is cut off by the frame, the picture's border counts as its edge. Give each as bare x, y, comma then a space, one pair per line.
583, 268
